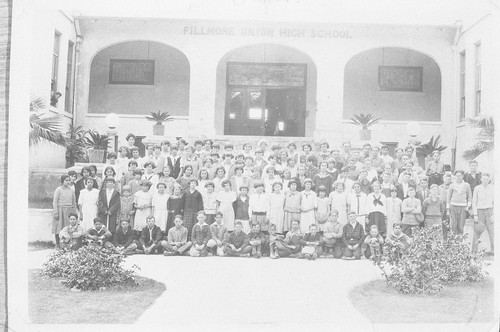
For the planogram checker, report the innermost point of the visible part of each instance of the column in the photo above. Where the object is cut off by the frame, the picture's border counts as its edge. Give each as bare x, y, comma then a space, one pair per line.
202, 97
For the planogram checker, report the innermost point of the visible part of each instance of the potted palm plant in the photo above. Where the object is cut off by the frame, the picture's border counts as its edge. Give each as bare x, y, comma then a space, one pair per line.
159, 117
98, 145
364, 121
424, 151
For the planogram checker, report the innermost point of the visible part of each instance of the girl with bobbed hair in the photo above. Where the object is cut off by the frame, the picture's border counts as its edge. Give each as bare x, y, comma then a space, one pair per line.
64, 204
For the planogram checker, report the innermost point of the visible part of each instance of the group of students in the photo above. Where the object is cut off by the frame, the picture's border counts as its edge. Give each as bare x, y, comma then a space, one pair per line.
279, 189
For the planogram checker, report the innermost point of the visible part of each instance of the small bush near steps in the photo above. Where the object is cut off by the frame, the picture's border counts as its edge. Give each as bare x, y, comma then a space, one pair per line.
89, 268
430, 262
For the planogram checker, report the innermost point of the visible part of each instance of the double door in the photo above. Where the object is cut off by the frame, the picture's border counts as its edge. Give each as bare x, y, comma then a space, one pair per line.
265, 111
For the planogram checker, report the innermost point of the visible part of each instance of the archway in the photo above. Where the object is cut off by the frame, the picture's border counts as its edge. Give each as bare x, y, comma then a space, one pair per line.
265, 90
138, 77
393, 84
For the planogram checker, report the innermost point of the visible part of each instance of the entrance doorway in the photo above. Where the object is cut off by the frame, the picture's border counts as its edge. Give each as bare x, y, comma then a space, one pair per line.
265, 100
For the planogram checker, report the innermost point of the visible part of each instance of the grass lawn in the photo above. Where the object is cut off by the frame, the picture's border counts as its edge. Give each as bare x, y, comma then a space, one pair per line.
460, 303
50, 302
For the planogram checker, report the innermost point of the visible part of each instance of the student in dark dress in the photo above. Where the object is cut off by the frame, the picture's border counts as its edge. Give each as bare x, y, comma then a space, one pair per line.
193, 202
175, 206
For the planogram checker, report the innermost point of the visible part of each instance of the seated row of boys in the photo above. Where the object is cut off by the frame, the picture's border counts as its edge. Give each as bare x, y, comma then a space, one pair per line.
337, 240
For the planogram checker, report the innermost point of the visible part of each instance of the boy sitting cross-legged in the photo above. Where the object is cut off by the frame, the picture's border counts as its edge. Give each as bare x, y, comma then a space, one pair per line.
123, 239
200, 234
235, 241
332, 235
219, 233
149, 242
290, 247
310, 242
176, 242
254, 241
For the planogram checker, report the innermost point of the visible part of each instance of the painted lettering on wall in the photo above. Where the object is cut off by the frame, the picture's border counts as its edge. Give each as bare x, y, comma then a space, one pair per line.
267, 32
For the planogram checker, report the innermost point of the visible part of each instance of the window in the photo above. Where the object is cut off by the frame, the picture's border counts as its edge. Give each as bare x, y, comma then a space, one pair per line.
462, 85
55, 64
477, 79
68, 97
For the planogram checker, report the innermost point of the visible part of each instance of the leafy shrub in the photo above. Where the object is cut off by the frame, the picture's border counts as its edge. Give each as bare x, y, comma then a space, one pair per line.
429, 262
89, 268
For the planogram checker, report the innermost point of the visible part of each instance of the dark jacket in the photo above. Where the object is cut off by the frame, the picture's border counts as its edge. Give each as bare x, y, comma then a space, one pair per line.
113, 208
200, 235
147, 240
122, 239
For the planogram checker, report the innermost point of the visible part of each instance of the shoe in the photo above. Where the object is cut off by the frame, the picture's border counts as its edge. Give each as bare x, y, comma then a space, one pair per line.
307, 256
168, 253
314, 256
139, 251
254, 250
258, 255
273, 256
245, 255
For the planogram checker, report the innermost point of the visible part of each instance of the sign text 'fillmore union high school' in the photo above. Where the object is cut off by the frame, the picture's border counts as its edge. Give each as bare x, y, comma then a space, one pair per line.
266, 32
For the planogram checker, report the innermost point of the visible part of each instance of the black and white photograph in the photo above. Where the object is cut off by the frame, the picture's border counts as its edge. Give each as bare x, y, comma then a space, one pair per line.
248, 165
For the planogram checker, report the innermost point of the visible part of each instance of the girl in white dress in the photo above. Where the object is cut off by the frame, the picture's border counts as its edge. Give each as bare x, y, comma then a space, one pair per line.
276, 209
202, 181
339, 200
150, 175
307, 206
225, 199
142, 203
159, 204
87, 203
270, 179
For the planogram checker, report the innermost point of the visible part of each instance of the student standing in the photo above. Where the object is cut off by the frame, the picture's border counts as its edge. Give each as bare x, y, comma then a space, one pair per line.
225, 199
87, 203
142, 204
276, 207
175, 206
109, 205
393, 211
159, 205
411, 207
241, 206
376, 208
482, 209
193, 202
292, 205
307, 206
64, 203
458, 201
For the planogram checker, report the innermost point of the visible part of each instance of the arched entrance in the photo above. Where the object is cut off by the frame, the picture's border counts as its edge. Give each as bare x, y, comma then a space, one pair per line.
265, 90
393, 83
138, 77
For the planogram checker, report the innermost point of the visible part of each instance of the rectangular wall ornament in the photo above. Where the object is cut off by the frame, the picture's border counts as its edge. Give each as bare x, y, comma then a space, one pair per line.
131, 71
400, 78
266, 74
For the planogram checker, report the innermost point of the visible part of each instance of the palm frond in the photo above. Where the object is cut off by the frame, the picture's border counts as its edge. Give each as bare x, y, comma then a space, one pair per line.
431, 146
477, 149
364, 120
485, 138
46, 128
159, 117
37, 104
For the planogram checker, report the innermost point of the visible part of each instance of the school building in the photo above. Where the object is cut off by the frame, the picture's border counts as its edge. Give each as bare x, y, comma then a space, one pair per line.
242, 80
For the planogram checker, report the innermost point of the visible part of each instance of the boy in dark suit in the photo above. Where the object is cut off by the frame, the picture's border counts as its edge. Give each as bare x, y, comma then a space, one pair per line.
108, 205
150, 240
123, 239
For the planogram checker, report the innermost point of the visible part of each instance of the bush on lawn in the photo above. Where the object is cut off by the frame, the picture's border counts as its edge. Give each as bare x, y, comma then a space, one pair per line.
89, 268
429, 262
